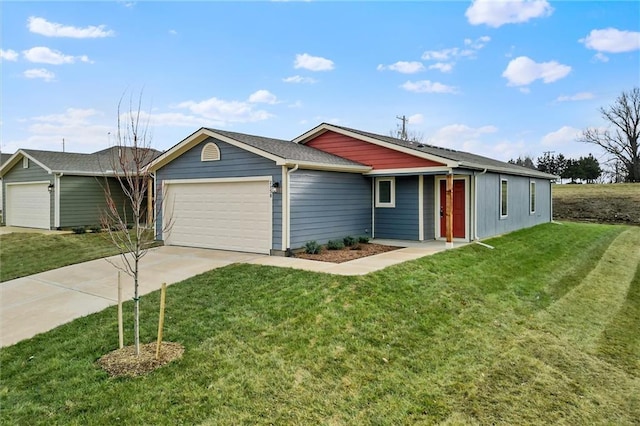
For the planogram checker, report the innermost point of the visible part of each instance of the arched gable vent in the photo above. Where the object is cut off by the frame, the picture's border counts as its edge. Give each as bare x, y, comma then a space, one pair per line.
210, 152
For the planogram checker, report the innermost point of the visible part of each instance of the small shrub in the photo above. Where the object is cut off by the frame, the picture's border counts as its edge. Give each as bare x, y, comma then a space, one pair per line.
312, 247
335, 245
79, 230
349, 241
363, 239
356, 246
96, 229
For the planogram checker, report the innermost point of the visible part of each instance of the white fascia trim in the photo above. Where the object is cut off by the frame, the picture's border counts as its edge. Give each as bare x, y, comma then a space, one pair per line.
34, 182
96, 174
56, 207
199, 136
421, 208
505, 170
285, 208
15, 158
413, 170
327, 127
219, 180
309, 165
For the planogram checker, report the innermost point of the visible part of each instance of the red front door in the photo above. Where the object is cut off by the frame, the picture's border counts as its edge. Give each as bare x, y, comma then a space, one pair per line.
459, 216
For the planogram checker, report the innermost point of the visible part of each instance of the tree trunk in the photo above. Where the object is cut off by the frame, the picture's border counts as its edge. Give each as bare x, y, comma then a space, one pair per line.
136, 310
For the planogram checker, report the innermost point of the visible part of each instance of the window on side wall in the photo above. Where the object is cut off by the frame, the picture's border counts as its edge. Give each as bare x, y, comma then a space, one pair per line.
532, 197
385, 192
504, 198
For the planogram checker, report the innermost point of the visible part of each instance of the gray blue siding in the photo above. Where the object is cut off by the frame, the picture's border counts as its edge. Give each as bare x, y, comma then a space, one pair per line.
82, 199
488, 195
33, 173
328, 205
234, 162
429, 207
400, 222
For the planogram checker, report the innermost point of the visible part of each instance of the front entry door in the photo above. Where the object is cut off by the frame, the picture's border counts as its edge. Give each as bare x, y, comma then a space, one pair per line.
459, 208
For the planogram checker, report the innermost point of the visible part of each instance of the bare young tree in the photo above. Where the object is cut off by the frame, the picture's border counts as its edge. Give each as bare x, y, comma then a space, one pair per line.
127, 190
620, 140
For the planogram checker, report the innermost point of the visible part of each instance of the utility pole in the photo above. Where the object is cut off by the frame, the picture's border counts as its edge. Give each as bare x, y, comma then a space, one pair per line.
62, 144
404, 120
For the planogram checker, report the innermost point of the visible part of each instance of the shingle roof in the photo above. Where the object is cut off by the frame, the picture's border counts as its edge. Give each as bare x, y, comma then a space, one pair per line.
4, 158
288, 150
463, 158
97, 163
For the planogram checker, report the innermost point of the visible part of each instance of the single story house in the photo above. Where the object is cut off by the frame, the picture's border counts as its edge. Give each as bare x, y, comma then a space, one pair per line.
54, 190
232, 191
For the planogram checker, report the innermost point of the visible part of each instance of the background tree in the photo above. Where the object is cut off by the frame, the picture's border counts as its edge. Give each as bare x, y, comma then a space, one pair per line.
620, 140
127, 222
524, 161
553, 164
589, 168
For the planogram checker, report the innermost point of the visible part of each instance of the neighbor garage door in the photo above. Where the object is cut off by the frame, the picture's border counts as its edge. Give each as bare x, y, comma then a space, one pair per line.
225, 215
28, 205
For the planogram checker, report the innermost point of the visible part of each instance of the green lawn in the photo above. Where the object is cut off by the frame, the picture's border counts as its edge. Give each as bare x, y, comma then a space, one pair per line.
541, 330
24, 254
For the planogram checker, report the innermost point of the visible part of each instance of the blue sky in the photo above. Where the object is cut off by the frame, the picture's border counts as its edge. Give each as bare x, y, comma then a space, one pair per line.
500, 79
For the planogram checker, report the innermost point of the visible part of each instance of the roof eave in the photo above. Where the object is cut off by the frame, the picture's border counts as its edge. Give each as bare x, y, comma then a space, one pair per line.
506, 170
311, 165
15, 158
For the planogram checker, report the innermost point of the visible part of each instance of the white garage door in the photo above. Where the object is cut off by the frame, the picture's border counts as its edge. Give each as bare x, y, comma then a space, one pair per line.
28, 205
221, 215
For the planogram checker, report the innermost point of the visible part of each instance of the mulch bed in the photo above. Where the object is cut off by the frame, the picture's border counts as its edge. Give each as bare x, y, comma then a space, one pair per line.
348, 253
124, 362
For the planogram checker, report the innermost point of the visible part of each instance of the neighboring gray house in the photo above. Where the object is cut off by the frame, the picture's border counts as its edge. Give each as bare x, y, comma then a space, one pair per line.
54, 190
227, 190
3, 159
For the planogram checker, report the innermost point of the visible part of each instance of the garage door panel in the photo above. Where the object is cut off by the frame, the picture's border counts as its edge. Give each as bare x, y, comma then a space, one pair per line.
220, 215
28, 205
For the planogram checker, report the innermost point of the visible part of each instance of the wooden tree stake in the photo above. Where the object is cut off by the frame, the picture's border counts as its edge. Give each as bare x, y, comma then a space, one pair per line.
163, 292
120, 324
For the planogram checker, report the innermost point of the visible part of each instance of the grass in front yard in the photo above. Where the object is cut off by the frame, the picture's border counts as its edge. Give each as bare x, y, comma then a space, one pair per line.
466, 336
24, 254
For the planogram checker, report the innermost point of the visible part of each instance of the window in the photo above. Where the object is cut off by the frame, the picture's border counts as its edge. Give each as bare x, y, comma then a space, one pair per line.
385, 192
25, 163
210, 152
532, 197
504, 197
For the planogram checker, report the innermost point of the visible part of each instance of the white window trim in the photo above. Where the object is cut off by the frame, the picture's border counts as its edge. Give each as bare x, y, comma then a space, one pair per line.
532, 185
25, 162
503, 216
206, 148
392, 203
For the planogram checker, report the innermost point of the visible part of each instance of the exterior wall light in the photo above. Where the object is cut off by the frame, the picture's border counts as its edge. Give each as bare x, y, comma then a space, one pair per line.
50, 187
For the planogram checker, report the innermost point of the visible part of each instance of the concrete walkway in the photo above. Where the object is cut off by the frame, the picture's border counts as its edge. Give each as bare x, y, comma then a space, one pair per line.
41, 302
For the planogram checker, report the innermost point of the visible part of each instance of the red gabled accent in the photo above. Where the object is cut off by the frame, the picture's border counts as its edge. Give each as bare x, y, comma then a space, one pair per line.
367, 153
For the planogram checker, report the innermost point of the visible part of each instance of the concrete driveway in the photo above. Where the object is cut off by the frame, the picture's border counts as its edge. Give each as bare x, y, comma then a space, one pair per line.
43, 301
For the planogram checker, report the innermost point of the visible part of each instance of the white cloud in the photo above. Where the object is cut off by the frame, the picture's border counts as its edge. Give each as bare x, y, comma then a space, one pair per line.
44, 55
82, 130
403, 67
299, 79
9, 55
42, 73
461, 137
426, 86
173, 32
263, 96
582, 96
442, 66
562, 136
447, 57
172, 119
51, 29
440, 55
313, 63
612, 40
497, 13
223, 112
416, 119
522, 71
600, 57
